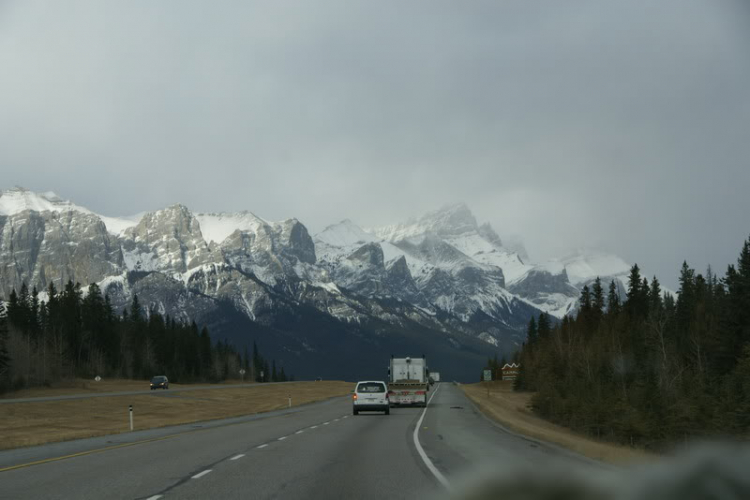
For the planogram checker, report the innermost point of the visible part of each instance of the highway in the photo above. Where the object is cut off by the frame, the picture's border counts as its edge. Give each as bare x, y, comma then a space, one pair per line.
319, 451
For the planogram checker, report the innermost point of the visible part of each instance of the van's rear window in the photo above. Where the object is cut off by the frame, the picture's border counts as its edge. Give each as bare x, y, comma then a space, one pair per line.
371, 388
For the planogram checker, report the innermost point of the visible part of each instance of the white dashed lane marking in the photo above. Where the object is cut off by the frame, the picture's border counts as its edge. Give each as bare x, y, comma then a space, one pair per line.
314, 427
237, 457
283, 438
200, 475
262, 446
299, 432
155, 497
326, 423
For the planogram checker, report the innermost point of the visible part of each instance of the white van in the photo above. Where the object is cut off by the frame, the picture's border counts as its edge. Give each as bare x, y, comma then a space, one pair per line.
371, 396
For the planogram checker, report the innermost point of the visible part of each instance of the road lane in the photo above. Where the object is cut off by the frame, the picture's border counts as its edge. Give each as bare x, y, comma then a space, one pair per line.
143, 470
318, 452
367, 456
458, 438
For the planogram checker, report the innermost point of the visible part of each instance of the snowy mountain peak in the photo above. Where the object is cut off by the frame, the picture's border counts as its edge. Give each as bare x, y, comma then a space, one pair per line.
344, 234
489, 234
18, 199
217, 227
586, 264
450, 220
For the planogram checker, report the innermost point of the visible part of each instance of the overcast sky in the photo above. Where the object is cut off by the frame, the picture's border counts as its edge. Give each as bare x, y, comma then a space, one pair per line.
618, 125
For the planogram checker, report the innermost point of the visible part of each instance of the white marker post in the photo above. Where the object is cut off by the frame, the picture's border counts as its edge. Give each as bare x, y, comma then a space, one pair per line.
290, 401
130, 410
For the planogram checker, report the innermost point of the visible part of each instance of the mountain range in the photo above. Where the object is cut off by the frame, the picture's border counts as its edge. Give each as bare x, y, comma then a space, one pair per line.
334, 304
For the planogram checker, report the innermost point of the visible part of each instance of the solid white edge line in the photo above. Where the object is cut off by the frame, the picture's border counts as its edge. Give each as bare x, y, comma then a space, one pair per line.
202, 474
438, 475
237, 457
263, 446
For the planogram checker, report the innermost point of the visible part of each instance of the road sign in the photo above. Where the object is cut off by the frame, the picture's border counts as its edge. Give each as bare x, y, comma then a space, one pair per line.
242, 371
488, 375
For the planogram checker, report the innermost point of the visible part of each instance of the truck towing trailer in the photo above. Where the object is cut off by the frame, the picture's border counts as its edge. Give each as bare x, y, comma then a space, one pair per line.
408, 381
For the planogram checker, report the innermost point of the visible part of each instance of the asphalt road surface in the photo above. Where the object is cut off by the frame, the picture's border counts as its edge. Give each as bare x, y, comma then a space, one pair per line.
318, 451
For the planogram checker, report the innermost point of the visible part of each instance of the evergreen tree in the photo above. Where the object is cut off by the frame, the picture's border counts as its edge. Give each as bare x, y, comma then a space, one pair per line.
656, 304
532, 334
34, 325
206, 357
5, 362
136, 312
586, 307
613, 299
544, 328
598, 298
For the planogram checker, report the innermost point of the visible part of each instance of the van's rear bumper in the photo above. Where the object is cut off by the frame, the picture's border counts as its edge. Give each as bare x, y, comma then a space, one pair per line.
359, 407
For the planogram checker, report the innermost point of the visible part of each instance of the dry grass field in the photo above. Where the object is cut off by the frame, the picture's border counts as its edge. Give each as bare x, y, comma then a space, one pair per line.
85, 386
28, 424
511, 409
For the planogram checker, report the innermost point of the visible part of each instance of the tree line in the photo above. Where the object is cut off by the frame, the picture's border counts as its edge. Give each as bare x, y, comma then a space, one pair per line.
72, 334
647, 369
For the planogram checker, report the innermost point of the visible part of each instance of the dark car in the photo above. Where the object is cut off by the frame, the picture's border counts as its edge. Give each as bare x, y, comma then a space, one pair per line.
159, 382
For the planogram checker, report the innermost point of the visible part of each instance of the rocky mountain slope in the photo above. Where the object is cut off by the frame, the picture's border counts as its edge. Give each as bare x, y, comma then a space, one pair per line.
328, 305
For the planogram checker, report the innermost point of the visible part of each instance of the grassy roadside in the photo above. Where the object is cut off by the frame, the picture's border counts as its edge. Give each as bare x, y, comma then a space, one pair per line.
511, 409
88, 386
29, 424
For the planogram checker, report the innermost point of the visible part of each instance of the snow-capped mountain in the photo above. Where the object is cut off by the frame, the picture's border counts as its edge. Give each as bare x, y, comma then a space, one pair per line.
443, 262
441, 284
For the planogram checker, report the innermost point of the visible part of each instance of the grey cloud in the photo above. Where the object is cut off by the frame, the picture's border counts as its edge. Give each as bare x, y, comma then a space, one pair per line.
624, 125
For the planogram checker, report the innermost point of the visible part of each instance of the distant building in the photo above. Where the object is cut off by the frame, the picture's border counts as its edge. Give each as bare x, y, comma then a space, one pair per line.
510, 371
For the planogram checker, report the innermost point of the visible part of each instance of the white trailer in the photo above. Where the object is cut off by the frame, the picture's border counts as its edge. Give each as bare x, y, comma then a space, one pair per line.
435, 376
408, 381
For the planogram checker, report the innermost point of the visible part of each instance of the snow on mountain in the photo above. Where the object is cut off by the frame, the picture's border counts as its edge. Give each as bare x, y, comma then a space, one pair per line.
454, 265
440, 263
118, 225
345, 234
17, 200
218, 227
585, 265
492, 254
450, 220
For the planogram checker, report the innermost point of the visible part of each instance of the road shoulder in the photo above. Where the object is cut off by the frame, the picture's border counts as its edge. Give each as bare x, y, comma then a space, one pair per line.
510, 410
